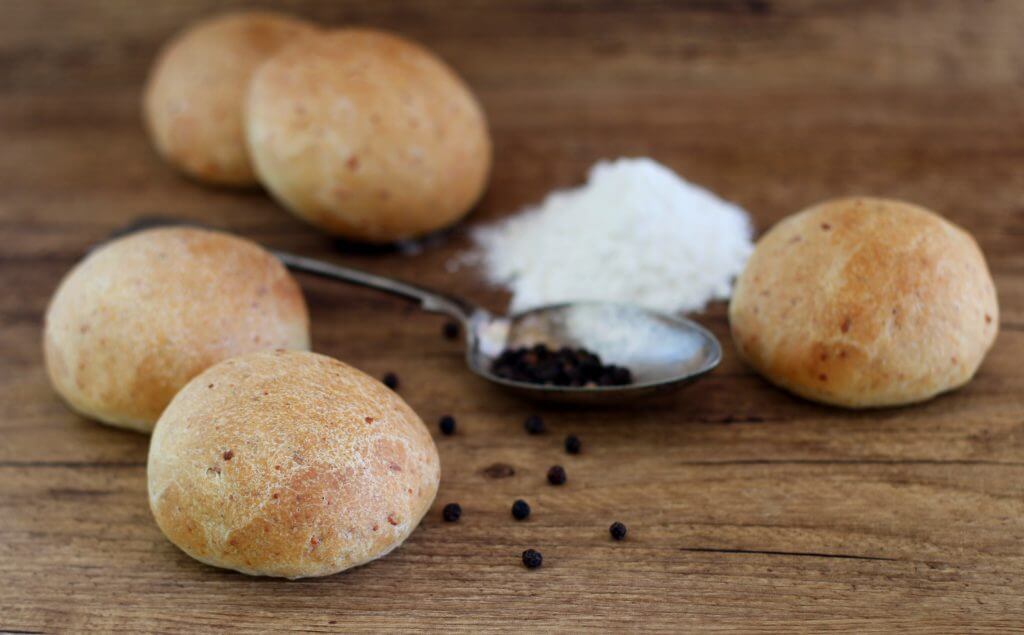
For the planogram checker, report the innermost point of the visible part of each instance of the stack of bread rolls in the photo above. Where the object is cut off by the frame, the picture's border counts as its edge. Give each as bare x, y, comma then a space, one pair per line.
362, 133
265, 458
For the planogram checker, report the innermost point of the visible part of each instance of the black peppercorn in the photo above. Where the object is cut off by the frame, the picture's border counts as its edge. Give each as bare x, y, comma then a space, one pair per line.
562, 367
617, 530
447, 425
391, 381
532, 558
452, 512
450, 330
556, 475
534, 424
520, 509
572, 444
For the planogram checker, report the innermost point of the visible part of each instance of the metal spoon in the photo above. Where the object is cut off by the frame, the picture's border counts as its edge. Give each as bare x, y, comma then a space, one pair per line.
662, 352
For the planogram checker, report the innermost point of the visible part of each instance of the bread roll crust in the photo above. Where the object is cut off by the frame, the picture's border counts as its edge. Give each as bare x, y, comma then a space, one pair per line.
289, 464
368, 136
865, 302
140, 316
195, 96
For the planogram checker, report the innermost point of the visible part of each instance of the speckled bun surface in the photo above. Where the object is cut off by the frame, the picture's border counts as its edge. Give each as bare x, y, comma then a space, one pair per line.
289, 464
865, 302
368, 136
195, 97
142, 315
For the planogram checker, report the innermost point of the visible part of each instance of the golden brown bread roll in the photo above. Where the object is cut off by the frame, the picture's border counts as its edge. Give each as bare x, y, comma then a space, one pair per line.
865, 302
368, 136
142, 315
289, 464
195, 97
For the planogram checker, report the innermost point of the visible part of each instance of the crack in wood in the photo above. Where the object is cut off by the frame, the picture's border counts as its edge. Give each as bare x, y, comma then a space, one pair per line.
74, 464
964, 462
797, 554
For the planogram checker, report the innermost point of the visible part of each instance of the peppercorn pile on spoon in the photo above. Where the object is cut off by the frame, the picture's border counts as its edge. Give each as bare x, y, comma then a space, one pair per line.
580, 352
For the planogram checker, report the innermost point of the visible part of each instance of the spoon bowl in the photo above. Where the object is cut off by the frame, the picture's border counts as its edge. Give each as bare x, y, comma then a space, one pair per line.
662, 352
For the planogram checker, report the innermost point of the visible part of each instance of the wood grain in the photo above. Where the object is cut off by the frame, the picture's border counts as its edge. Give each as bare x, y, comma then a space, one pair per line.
748, 509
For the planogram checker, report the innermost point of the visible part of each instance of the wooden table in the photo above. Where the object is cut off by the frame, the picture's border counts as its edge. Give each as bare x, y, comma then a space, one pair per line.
748, 509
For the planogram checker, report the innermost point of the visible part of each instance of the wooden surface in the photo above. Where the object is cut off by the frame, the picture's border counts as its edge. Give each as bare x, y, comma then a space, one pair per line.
748, 509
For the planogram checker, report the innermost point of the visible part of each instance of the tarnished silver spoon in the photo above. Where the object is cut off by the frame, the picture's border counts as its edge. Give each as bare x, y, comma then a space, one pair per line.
662, 352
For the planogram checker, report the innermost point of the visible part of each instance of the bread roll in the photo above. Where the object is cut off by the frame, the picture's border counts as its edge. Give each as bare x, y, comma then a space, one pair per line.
368, 136
289, 464
865, 302
194, 101
142, 315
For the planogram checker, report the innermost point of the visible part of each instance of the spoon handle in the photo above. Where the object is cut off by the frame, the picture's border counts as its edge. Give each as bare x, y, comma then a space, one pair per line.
428, 300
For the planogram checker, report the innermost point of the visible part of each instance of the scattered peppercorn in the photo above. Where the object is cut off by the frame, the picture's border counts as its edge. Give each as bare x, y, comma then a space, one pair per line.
450, 330
556, 475
572, 444
452, 512
617, 530
391, 381
520, 509
534, 424
447, 425
562, 367
532, 558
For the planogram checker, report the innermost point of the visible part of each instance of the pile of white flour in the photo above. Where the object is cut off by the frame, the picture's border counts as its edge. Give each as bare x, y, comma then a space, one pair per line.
635, 233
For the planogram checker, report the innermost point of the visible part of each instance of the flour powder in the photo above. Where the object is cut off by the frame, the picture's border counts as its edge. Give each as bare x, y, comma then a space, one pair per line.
635, 233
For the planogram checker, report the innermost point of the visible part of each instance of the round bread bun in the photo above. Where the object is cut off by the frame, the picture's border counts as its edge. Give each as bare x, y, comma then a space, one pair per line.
195, 98
367, 136
142, 315
289, 464
865, 302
